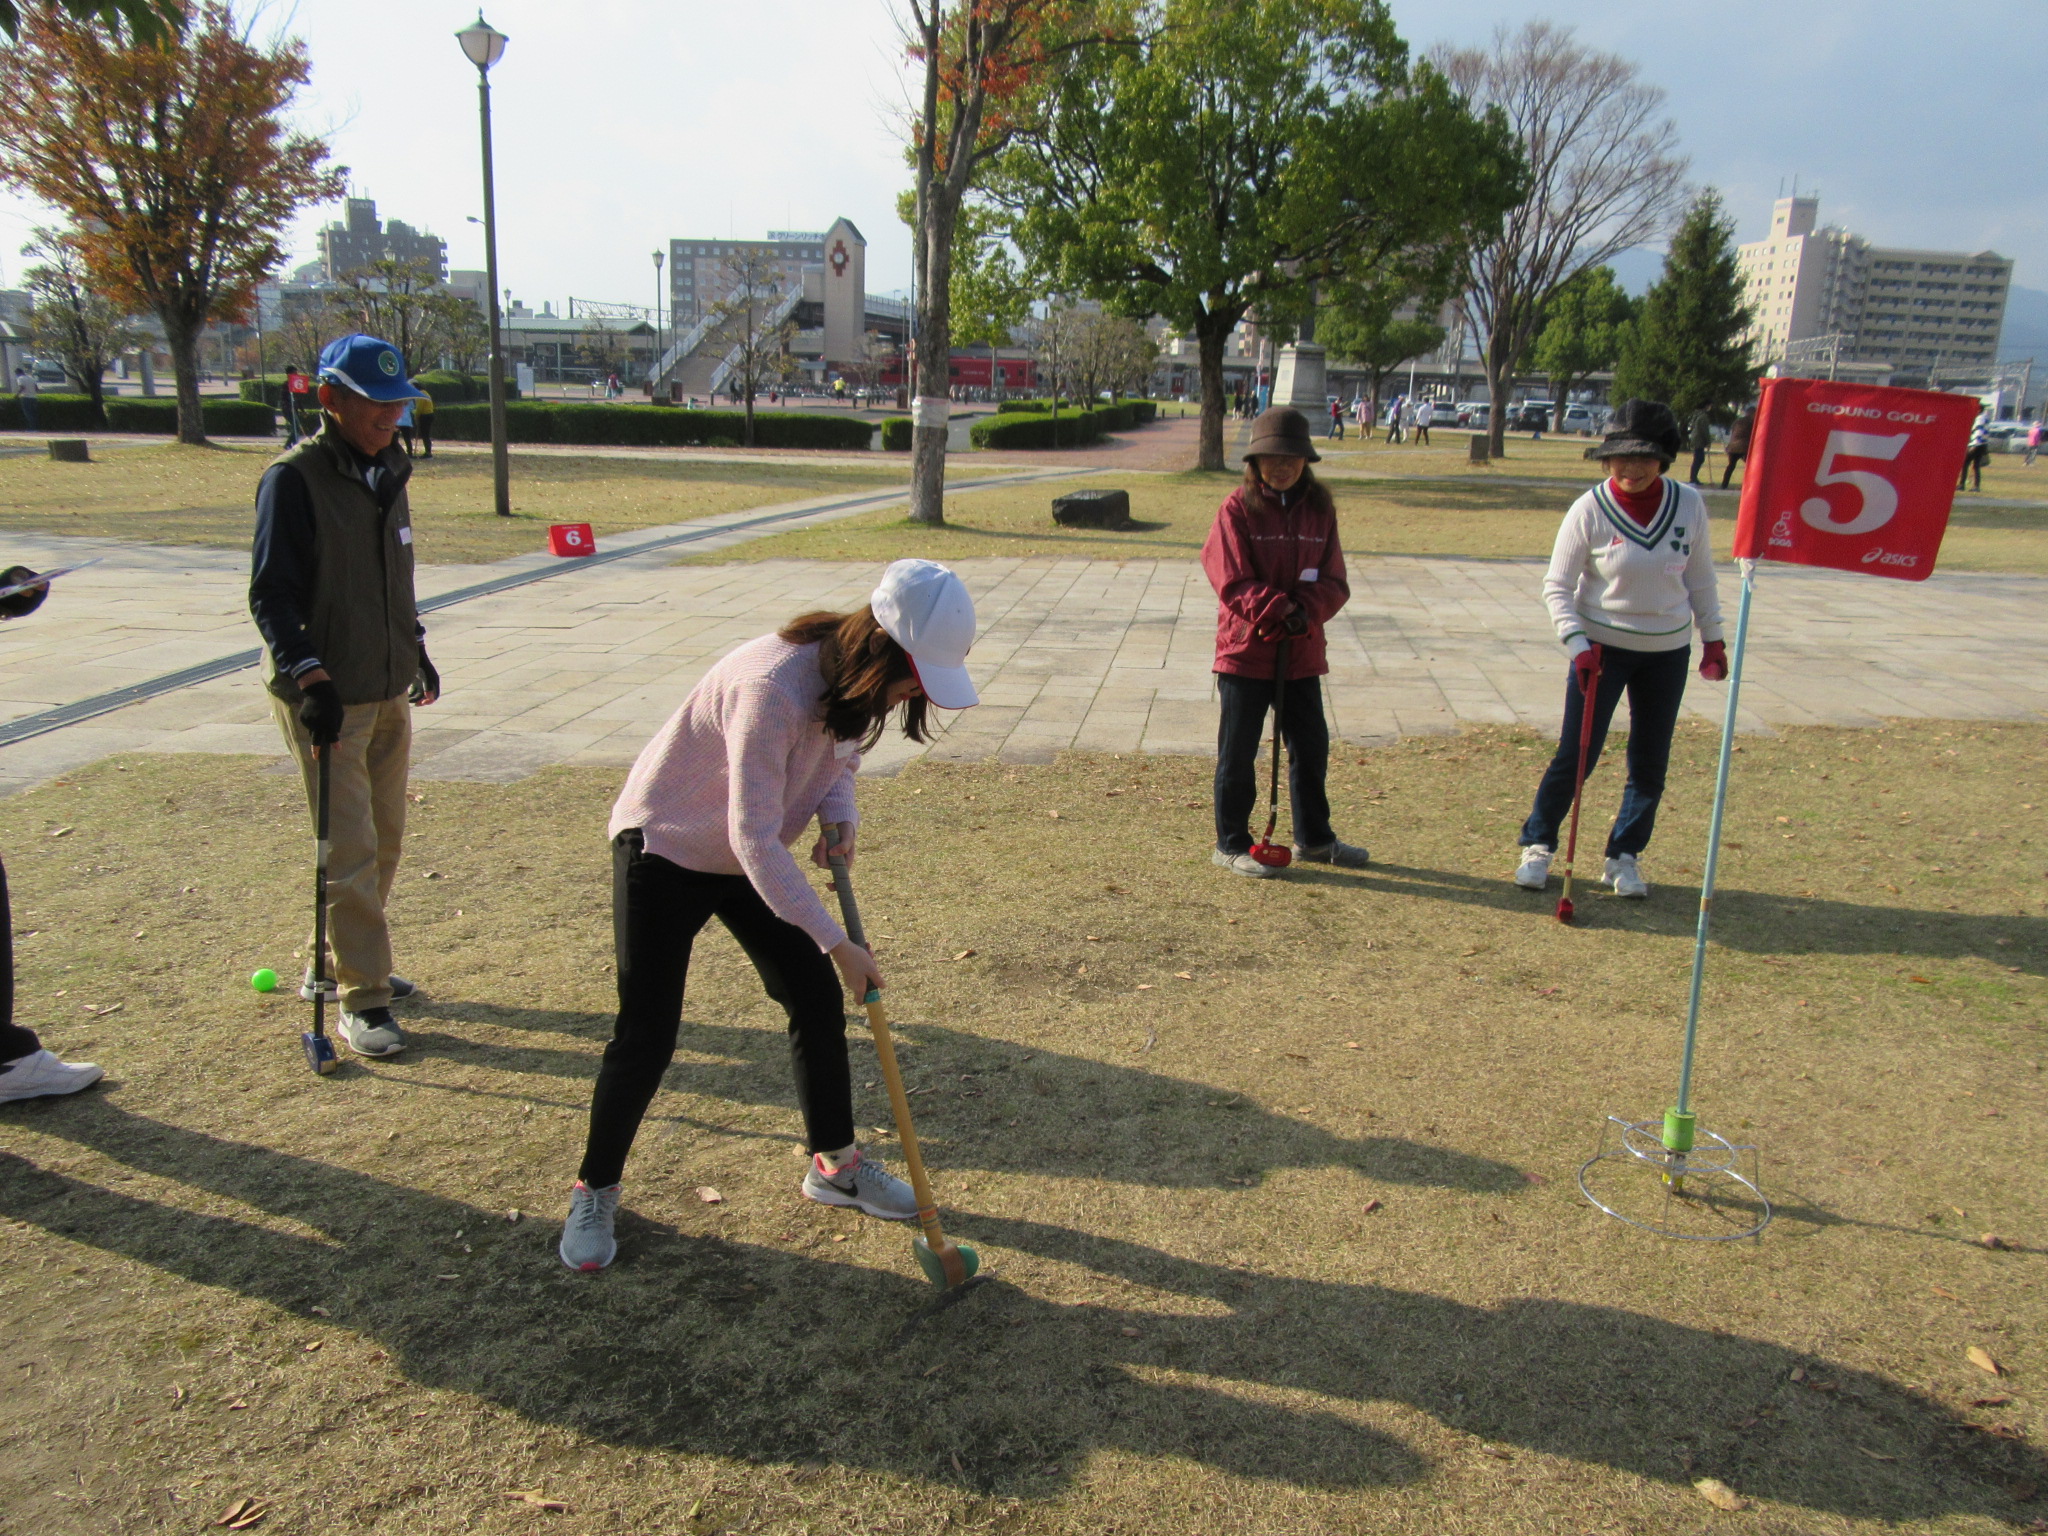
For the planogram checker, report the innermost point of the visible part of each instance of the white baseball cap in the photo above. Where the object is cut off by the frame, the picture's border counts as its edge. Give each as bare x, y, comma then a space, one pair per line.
926, 609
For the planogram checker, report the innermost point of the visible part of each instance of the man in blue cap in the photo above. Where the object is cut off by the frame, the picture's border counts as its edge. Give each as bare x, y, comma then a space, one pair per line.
331, 590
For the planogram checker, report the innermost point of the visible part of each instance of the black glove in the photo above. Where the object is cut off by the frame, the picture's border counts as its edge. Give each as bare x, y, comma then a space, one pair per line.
22, 604
426, 681
321, 714
1296, 623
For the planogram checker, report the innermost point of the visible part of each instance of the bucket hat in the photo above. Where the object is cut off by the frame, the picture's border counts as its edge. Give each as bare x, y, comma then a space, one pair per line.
927, 610
1283, 431
1640, 427
369, 365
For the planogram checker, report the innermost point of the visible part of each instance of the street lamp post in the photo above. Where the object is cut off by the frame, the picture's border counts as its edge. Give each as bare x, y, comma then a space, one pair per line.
483, 46
654, 374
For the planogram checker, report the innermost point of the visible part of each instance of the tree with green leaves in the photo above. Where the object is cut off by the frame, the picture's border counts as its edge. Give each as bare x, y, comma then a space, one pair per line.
1364, 324
172, 158
1687, 346
70, 321
990, 296
1233, 154
756, 343
147, 21
1583, 329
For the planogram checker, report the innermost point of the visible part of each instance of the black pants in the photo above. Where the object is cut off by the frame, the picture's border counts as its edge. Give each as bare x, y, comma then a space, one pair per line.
424, 425
1699, 460
15, 1042
1422, 434
1973, 466
1655, 684
657, 910
1733, 460
1307, 735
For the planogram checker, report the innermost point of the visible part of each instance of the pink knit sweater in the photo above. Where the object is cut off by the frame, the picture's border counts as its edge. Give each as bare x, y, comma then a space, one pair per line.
740, 773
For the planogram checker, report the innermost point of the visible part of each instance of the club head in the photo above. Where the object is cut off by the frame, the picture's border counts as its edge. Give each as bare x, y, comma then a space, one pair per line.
319, 1052
1272, 855
1564, 909
954, 1264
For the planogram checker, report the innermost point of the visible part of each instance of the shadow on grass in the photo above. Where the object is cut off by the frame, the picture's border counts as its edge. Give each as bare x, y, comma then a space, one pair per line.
1755, 922
1054, 533
1090, 1119
698, 1344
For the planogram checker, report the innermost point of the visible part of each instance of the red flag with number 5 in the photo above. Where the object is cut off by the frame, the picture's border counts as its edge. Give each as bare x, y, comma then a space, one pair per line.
1852, 476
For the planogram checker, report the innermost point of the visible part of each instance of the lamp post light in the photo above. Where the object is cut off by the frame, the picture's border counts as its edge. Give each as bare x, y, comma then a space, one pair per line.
483, 46
654, 373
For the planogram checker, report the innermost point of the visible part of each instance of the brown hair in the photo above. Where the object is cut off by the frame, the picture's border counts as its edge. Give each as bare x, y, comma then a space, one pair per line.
860, 662
1258, 493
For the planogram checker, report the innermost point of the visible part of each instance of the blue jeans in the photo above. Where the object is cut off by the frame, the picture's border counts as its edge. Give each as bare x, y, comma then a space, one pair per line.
28, 411
1307, 735
1655, 684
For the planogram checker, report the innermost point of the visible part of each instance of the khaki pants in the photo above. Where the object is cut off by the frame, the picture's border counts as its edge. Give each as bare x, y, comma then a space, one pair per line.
365, 825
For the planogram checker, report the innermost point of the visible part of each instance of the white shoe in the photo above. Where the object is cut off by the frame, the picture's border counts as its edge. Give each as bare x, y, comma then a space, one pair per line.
1534, 871
42, 1075
1243, 864
1624, 877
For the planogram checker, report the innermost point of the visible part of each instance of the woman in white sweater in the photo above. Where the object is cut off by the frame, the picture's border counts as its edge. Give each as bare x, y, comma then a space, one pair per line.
763, 747
1630, 575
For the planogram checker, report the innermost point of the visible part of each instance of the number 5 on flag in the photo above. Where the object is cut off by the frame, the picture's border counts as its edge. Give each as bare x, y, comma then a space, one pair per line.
1885, 509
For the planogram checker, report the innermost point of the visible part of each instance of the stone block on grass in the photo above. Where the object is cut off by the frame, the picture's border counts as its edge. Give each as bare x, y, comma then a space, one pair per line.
1092, 509
69, 450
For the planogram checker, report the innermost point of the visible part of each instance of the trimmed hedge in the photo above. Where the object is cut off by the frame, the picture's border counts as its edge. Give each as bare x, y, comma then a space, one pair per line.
229, 418
54, 413
1070, 429
896, 434
538, 421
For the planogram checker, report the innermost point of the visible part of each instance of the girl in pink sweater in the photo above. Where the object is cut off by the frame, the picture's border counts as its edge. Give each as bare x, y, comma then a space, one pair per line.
765, 745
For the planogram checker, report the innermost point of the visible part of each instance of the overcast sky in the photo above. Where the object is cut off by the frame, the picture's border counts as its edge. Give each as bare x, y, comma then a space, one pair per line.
623, 123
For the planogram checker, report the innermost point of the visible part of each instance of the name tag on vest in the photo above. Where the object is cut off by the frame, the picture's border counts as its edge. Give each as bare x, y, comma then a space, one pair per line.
405, 534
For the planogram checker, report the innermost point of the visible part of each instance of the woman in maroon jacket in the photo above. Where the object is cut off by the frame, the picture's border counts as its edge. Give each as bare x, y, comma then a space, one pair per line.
1273, 559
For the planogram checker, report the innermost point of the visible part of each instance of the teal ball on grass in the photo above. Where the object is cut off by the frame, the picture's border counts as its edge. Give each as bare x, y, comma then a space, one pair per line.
264, 980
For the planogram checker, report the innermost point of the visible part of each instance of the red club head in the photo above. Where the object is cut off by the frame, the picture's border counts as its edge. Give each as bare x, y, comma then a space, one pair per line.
1564, 909
1272, 855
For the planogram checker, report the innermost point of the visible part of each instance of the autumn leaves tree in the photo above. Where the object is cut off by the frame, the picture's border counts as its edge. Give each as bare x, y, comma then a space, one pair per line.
170, 156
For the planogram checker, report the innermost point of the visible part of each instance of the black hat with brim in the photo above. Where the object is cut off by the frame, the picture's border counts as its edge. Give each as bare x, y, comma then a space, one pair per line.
1283, 432
1640, 427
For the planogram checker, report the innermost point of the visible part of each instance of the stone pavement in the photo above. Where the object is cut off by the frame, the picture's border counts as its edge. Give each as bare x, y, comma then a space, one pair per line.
583, 667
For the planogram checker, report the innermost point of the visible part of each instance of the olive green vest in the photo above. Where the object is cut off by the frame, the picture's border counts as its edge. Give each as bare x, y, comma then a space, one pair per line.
362, 621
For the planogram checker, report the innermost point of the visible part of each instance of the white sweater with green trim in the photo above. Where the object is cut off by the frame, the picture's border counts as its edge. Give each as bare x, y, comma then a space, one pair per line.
1613, 581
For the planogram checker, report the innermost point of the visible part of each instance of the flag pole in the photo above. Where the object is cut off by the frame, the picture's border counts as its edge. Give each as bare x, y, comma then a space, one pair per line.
1679, 1120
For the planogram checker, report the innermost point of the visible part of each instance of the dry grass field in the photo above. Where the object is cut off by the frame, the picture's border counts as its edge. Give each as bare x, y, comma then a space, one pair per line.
1273, 1182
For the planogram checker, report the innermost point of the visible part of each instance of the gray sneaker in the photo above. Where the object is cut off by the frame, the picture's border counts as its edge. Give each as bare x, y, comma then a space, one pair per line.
1342, 855
373, 1032
1242, 864
587, 1241
864, 1183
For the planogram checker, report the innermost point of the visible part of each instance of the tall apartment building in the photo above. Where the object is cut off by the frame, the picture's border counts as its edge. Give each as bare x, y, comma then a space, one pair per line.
829, 267
1915, 312
358, 240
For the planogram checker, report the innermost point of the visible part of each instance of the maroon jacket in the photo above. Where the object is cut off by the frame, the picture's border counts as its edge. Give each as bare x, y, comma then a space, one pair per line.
1261, 556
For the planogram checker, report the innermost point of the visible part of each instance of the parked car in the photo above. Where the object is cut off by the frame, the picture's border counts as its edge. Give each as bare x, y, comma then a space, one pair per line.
2007, 436
1473, 413
1532, 416
1583, 418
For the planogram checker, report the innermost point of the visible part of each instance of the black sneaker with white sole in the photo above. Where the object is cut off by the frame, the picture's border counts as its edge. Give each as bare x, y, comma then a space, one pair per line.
373, 1032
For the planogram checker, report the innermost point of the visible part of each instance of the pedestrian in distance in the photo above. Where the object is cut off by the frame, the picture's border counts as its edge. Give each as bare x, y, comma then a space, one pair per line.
1273, 558
1394, 419
1631, 572
405, 427
1337, 419
1362, 409
1738, 443
26, 388
764, 747
423, 421
27, 1069
2033, 444
331, 590
1700, 437
1425, 413
1978, 455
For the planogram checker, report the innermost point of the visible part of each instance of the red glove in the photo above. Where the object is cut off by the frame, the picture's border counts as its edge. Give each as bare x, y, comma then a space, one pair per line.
1714, 661
1583, 666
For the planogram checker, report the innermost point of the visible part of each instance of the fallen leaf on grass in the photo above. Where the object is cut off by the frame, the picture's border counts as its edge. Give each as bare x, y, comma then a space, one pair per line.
1129, 1333
537, 1499
237, 1405
1991, 1402
1981, 1358
236, 1510
1992, 1239
965, 954
1720, 1495
1185, 975
1371, 1206
447, 1277
1951, 1295
312, 1346
1144, 986
1498, 1454
709, 1195
1875, 1455
1055, 815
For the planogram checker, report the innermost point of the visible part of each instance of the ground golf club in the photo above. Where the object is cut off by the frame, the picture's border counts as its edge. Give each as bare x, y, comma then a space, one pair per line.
319, 1047
1589, 698
945, 1263
1265, 851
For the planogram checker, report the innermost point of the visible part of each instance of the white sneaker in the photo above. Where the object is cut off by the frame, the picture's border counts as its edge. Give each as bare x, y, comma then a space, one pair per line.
1534, 871
42, 1074
1243, 864
1625, 878
864, 1183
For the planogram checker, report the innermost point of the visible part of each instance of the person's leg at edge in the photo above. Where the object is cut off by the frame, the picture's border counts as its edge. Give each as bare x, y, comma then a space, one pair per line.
15, 1041
1244, 702
1656, 688
801, 977
657, 909
1554, 791
1728, 471
1307, 734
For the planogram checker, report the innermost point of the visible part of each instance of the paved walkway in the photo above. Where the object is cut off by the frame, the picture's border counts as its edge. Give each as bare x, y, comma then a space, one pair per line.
581, 668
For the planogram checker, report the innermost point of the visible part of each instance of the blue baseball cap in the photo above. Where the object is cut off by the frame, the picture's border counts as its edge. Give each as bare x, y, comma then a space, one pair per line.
368, 365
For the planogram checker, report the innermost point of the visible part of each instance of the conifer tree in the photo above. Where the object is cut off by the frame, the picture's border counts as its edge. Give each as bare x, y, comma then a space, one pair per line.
1686, 347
